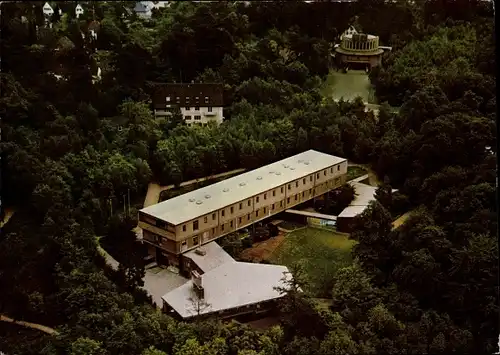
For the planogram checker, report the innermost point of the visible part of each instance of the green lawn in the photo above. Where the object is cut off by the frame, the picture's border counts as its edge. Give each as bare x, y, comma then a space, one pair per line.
348, 86
320, 253
354, 172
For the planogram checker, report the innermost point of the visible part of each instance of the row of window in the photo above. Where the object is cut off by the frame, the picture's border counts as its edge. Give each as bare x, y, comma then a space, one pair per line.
187, 98
249, 202
197, 117
197, 108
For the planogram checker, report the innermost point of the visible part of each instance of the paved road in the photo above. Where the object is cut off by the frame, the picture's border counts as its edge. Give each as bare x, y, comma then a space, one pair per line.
39, 327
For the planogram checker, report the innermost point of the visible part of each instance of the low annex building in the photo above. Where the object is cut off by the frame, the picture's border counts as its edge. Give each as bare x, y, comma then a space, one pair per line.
183, 223
199, 103
231, 289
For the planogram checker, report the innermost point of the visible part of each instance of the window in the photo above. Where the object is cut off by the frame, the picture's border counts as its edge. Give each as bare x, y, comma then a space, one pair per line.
197, 117
248, 217
196, 240
288, 200
188, 117
231, 224
197, 98
184, 228
205, 219
177, 99
281, 189
265, 196
184, 245
197, 108
296, 184
289, 186
257, 213
324, 173
223, 213
265, 210
232, 210
303, 193
213, 216
317, 176
274, 193
167, 98
281, 203
338, 167
314, 191
257, 199
187, 98
272, 206
310, 178
331, 170
222, 227
304, 181
213, 231
310, 191
249, 202
295, 197
239, 220
209, 109
187, 108
195, 225
206, 99
241, 206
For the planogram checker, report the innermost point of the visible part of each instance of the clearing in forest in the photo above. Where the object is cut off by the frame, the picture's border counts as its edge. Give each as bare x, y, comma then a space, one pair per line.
319, 252
348, 86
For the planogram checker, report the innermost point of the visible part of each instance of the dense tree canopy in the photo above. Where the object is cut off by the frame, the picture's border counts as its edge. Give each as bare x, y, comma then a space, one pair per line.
75, 147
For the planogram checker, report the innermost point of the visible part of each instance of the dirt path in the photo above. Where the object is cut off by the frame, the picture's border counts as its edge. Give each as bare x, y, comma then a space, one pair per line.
402, 219
263, 250
8, 215
372, 177
39, 327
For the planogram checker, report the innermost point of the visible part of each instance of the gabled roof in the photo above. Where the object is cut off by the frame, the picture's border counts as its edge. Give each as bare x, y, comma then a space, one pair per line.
139, 7
214, 256
229, 286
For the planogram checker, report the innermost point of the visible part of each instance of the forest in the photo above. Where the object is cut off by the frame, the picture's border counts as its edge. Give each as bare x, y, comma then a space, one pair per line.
73, 146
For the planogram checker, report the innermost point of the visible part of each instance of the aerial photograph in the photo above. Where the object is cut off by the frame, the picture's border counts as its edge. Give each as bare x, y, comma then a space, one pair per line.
248, 178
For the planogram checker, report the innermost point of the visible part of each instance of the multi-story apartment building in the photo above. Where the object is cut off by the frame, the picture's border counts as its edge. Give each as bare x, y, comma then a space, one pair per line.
199, 103
182, 223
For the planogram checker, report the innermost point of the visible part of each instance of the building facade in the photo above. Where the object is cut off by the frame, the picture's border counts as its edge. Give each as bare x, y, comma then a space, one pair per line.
359, 50
185, 222
199, 103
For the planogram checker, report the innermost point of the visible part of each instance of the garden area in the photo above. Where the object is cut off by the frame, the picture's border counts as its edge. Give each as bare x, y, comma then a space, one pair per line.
348, 86
354, 172
319, 253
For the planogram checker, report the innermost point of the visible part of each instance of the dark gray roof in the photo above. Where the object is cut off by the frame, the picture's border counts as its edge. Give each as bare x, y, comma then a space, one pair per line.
139, 7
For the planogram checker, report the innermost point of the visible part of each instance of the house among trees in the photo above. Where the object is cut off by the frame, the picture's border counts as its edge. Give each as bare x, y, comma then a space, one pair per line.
142, 10
47, 10
199, 103
78, 11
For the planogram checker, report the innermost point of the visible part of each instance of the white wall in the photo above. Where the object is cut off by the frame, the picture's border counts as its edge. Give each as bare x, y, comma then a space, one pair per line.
205, 116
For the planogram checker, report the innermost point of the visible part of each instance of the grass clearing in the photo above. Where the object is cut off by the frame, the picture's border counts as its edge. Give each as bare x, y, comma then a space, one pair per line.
354, 172
348, 86
319, 252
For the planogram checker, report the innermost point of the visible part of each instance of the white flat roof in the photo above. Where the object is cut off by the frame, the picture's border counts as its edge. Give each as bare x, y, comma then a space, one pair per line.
352, 211
231, 285
211, 198
215, 256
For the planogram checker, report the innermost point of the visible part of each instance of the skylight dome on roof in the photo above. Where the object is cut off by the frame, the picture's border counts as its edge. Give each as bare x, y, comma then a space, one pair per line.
292, 168
225, 190
192, 200
259, 177
243, 183
306, 163
278, 173
199, 202
286, 165
207, 196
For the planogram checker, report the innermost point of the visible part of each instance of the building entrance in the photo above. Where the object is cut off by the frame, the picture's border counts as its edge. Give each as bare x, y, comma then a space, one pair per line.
160, 258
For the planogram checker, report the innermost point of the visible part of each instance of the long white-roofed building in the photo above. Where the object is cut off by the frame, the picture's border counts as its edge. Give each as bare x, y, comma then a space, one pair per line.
185, 222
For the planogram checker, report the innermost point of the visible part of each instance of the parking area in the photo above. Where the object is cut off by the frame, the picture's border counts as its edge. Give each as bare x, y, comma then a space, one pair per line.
159, 281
